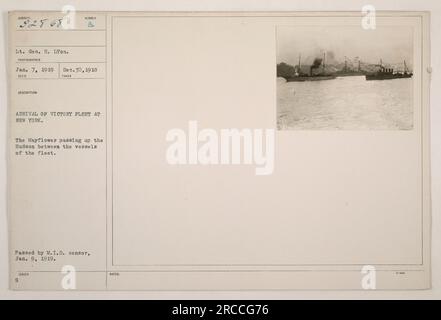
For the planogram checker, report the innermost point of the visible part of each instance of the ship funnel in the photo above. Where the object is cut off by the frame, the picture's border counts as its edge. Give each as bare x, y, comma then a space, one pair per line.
317, 62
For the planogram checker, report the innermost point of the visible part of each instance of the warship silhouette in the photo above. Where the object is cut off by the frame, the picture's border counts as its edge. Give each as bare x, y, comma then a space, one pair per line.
348, 72
388, 73
312, 76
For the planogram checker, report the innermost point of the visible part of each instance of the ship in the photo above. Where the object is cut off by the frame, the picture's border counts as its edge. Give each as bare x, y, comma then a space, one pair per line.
299, 76
347, 72
388, 73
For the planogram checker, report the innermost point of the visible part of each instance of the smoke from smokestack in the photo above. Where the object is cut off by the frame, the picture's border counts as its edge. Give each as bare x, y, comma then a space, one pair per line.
317, 62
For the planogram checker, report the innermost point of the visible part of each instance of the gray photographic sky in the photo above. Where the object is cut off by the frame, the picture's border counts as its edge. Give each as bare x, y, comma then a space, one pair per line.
392, 44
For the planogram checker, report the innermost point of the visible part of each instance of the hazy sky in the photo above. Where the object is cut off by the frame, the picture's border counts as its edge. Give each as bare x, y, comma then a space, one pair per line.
392, 44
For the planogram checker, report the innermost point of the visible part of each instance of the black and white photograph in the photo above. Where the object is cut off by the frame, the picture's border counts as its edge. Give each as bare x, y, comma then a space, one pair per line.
344, 78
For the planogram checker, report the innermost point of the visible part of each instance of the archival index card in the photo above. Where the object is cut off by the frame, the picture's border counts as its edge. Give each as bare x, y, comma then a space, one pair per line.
219, 151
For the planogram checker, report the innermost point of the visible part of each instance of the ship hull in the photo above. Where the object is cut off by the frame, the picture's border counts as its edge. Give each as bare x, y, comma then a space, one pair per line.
311, 78
387, 76
350, 74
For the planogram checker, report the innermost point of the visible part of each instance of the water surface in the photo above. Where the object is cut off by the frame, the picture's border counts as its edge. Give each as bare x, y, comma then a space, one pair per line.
350, 103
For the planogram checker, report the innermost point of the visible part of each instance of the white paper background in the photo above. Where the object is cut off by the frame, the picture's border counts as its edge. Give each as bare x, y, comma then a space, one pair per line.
235, 5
